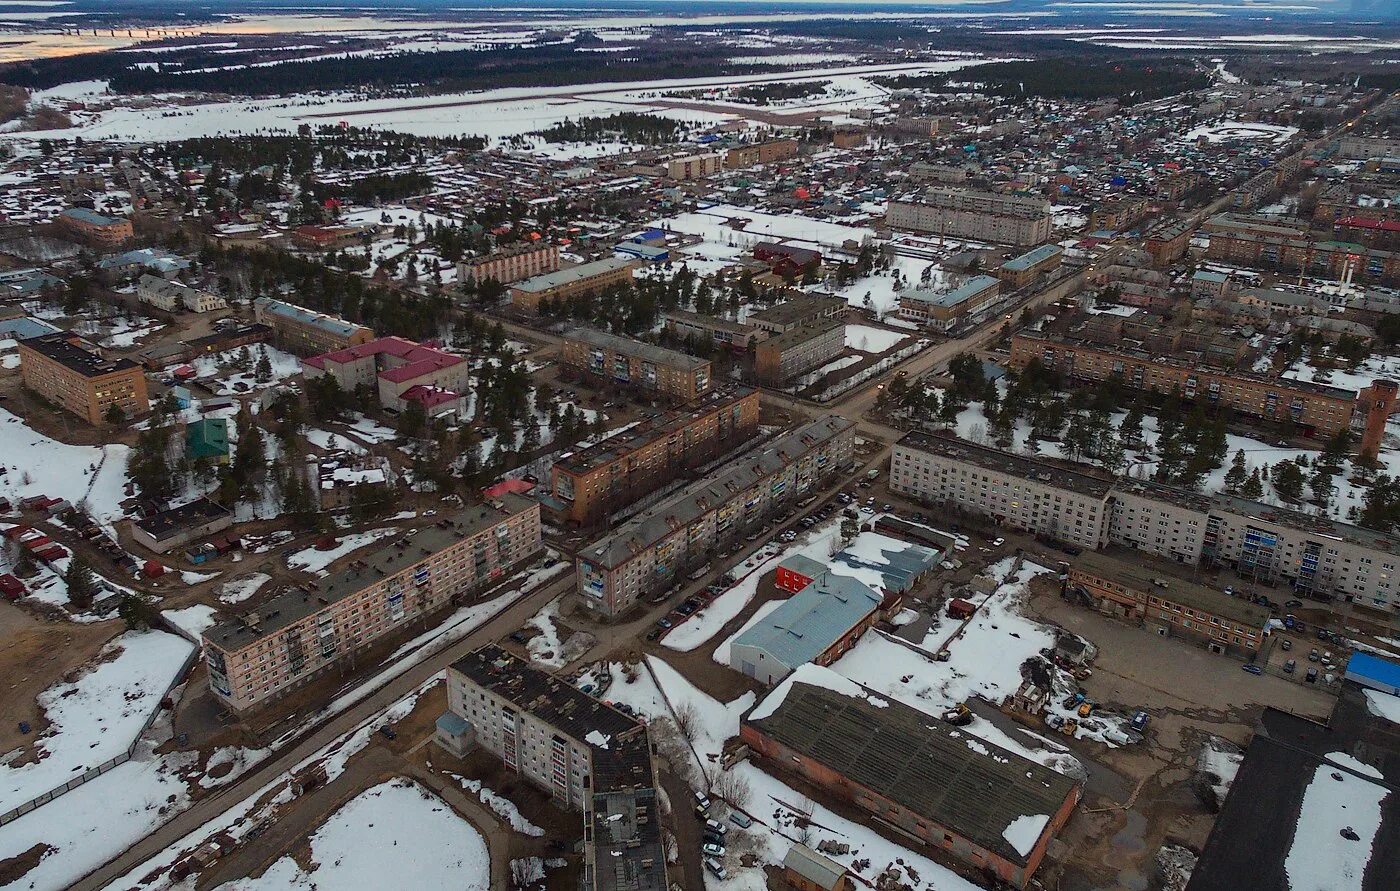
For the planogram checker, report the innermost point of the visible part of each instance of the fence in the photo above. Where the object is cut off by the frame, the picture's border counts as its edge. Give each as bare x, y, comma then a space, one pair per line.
93, 773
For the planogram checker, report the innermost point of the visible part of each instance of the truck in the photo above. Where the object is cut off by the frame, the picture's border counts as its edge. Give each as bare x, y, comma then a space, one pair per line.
872, 474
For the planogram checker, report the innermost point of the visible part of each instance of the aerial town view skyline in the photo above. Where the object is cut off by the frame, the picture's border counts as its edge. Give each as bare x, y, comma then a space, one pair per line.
723, 446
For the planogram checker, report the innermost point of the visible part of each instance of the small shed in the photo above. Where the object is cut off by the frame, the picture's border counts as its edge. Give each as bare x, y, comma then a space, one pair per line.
961, 609
806, 870
11, 587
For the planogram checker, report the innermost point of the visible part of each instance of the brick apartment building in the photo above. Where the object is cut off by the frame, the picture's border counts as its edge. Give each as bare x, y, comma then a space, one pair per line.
924, 779
1116, 212
98, 230
966, 213
1022, 270
1315, 409
781, 357
1156, 594
1316, 556
1323, 259
594, 482
74, 374
946, 310
1168, 242
769, 151
659, 546
306, 332
261, 655
630, 362
695, 166
513, 263
585, 754
584, 280
401, 371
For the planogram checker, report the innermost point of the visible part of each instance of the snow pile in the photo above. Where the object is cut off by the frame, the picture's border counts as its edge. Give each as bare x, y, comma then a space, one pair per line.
1337, 825
1024, 832
504, 807
817, 676
313, 560
1220, 765
395, 835
239, 760
97, 716
240, 589
193, 620
547, 648
597, 738
1383, 705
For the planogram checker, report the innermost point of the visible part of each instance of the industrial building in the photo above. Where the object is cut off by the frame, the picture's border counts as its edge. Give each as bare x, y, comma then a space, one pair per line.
1157, 595
626, 361
988, 807
818, 624
720, 332
783, 317
75, 375
264, 653
589, 485
663, 543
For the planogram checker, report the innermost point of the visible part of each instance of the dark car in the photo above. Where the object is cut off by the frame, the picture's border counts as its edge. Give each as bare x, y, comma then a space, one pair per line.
685, 609
1253, 669
519, 637
388, 732
1293, 604
654, 633
663, 623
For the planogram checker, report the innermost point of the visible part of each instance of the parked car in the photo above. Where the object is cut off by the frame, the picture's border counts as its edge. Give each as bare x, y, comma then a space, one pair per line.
388, 732
716, 868
1313, 655
702, 799
1312, 675
1285, 645
1290, 666
519, 637
740, 819
710, 850
1140, 721
1253, 669
716, 827
663, 623
1292, 604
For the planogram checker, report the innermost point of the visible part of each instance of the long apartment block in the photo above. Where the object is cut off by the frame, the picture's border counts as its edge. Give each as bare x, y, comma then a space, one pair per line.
587, 755
259, 656
660, 545
634, 363
968, 213
1260, 541
1315, 408
510, 264
588, 485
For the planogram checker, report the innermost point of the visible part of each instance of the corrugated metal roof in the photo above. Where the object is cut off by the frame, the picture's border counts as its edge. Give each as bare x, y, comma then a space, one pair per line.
812, 620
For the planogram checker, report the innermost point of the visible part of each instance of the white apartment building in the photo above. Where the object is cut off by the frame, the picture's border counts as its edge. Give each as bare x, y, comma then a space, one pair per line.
1316, 556
172, 295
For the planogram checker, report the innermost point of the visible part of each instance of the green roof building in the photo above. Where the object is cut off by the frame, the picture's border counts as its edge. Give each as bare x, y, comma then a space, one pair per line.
207, 438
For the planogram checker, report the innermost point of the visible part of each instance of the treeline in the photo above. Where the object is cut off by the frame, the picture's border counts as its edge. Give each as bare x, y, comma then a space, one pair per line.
13, 102
327, 149
1125, 80
316, 286
373, 187
765, 94
630, 126
554, 65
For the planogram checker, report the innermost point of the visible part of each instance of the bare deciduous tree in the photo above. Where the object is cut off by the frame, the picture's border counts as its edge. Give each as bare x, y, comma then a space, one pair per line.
686, 718
732, 788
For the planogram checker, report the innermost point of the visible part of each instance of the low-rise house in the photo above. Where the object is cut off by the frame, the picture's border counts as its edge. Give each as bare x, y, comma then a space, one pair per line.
178, 526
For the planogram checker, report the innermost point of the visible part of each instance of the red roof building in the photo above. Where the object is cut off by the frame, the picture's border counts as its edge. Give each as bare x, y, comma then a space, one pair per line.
402, 372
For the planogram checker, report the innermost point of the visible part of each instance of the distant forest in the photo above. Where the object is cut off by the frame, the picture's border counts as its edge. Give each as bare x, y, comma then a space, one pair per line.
1127, 81
645, 129
554, 65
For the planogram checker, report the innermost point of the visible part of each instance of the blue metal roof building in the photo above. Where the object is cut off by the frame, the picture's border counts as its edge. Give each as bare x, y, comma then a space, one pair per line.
1032, 257
23, 328
1374, 672
809, 627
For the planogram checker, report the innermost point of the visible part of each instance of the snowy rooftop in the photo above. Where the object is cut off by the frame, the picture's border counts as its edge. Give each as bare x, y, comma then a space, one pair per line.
936, 770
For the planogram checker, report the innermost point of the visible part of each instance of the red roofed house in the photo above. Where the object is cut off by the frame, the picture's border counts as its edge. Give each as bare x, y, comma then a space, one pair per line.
402, 371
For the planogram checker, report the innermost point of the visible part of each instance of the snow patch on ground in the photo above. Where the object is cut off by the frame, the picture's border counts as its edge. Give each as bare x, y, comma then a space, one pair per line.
312, 560
504, 807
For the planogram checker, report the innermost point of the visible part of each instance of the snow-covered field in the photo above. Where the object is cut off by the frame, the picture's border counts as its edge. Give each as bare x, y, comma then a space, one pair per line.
1237, 131
713, 224
395, 835
97, 716
871, 340
34, 464
218, 373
